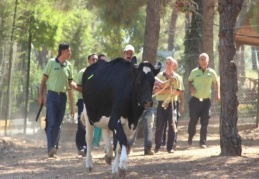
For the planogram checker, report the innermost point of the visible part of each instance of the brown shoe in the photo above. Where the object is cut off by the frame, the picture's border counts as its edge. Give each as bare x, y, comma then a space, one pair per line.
156, 150
52, 153
148, 152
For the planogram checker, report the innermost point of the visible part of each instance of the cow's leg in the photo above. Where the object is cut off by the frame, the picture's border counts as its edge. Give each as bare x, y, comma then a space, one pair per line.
123, 165
120, 135
118, 132
115, 165
89, 140
120, 164
108, 146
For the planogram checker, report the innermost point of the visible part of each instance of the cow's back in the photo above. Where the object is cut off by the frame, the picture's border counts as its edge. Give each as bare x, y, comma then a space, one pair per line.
104, 85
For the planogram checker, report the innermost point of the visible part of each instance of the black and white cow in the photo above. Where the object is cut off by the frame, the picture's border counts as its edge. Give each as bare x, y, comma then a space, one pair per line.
111, 91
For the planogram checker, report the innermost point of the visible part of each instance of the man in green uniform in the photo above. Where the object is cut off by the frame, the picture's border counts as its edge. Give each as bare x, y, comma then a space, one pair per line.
80, 133
200, 82
58, 77
169, 92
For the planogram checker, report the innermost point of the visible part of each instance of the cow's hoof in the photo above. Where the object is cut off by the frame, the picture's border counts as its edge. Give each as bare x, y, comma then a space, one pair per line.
122, 173
114, 175
108, 159
90, 169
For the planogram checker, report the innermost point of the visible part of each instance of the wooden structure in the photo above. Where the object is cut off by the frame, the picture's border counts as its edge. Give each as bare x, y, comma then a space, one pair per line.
245, 34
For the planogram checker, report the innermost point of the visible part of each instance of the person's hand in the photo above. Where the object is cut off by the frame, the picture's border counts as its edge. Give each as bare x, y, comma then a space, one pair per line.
193, 90
72, 114
217, 98
73, 85
158, 85
41, 100
181, 109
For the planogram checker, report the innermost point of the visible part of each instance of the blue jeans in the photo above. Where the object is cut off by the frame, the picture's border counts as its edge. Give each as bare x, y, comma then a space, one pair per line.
80, 133
148, 118
56, 107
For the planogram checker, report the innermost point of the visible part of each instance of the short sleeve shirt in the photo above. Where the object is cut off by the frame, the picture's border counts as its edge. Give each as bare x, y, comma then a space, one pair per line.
202, 81
79, 81
161, 76
58, 75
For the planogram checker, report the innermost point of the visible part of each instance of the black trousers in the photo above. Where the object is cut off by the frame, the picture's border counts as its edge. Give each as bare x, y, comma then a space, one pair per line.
80, 133
176, 107
164, 116
199, 110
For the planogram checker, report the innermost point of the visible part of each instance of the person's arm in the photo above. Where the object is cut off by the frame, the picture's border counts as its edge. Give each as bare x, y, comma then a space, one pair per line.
164, 87
79, 88
217, 91
71, 103
181, 97
72, 84
191, 87
42, 94
165, 91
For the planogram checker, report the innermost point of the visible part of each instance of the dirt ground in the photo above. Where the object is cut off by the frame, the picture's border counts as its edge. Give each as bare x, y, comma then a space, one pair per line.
25, 157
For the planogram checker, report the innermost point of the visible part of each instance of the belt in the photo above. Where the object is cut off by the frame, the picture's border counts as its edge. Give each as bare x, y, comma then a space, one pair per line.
201, 99
58, 93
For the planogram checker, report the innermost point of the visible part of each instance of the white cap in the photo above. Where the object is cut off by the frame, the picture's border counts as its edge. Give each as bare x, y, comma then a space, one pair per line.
129, 47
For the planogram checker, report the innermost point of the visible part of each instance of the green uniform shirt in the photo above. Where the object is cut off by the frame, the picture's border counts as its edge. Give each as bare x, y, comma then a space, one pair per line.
163, 97
79, 81
58, 75
202, 81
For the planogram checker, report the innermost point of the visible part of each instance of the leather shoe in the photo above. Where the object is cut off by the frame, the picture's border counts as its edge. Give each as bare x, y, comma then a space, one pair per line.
148, 152
189, 141
52, 153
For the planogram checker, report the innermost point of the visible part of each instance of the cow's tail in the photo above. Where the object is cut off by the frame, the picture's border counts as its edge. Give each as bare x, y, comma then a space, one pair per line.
83, 116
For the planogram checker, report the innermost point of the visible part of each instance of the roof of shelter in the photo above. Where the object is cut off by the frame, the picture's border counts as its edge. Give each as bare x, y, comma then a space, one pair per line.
245, 33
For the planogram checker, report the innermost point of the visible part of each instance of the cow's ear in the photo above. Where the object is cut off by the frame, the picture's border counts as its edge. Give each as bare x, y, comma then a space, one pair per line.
134, 60
157, 68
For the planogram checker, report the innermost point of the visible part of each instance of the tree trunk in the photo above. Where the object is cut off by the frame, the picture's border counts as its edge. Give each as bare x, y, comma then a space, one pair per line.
7, 115
152, 29
193, 36
171, 29
230, 140
193, 42
207, 28
151, 38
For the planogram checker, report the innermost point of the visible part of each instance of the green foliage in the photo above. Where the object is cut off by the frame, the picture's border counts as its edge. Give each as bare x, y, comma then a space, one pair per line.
6, 14
77, 30
119, 23
253, 11
114, 38
43, 21
118, 12
246, 110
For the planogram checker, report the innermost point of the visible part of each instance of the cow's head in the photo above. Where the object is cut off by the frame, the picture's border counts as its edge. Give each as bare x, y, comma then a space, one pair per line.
144, 78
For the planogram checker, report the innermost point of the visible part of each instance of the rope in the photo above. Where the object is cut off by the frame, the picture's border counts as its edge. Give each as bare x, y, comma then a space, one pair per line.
170, 98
